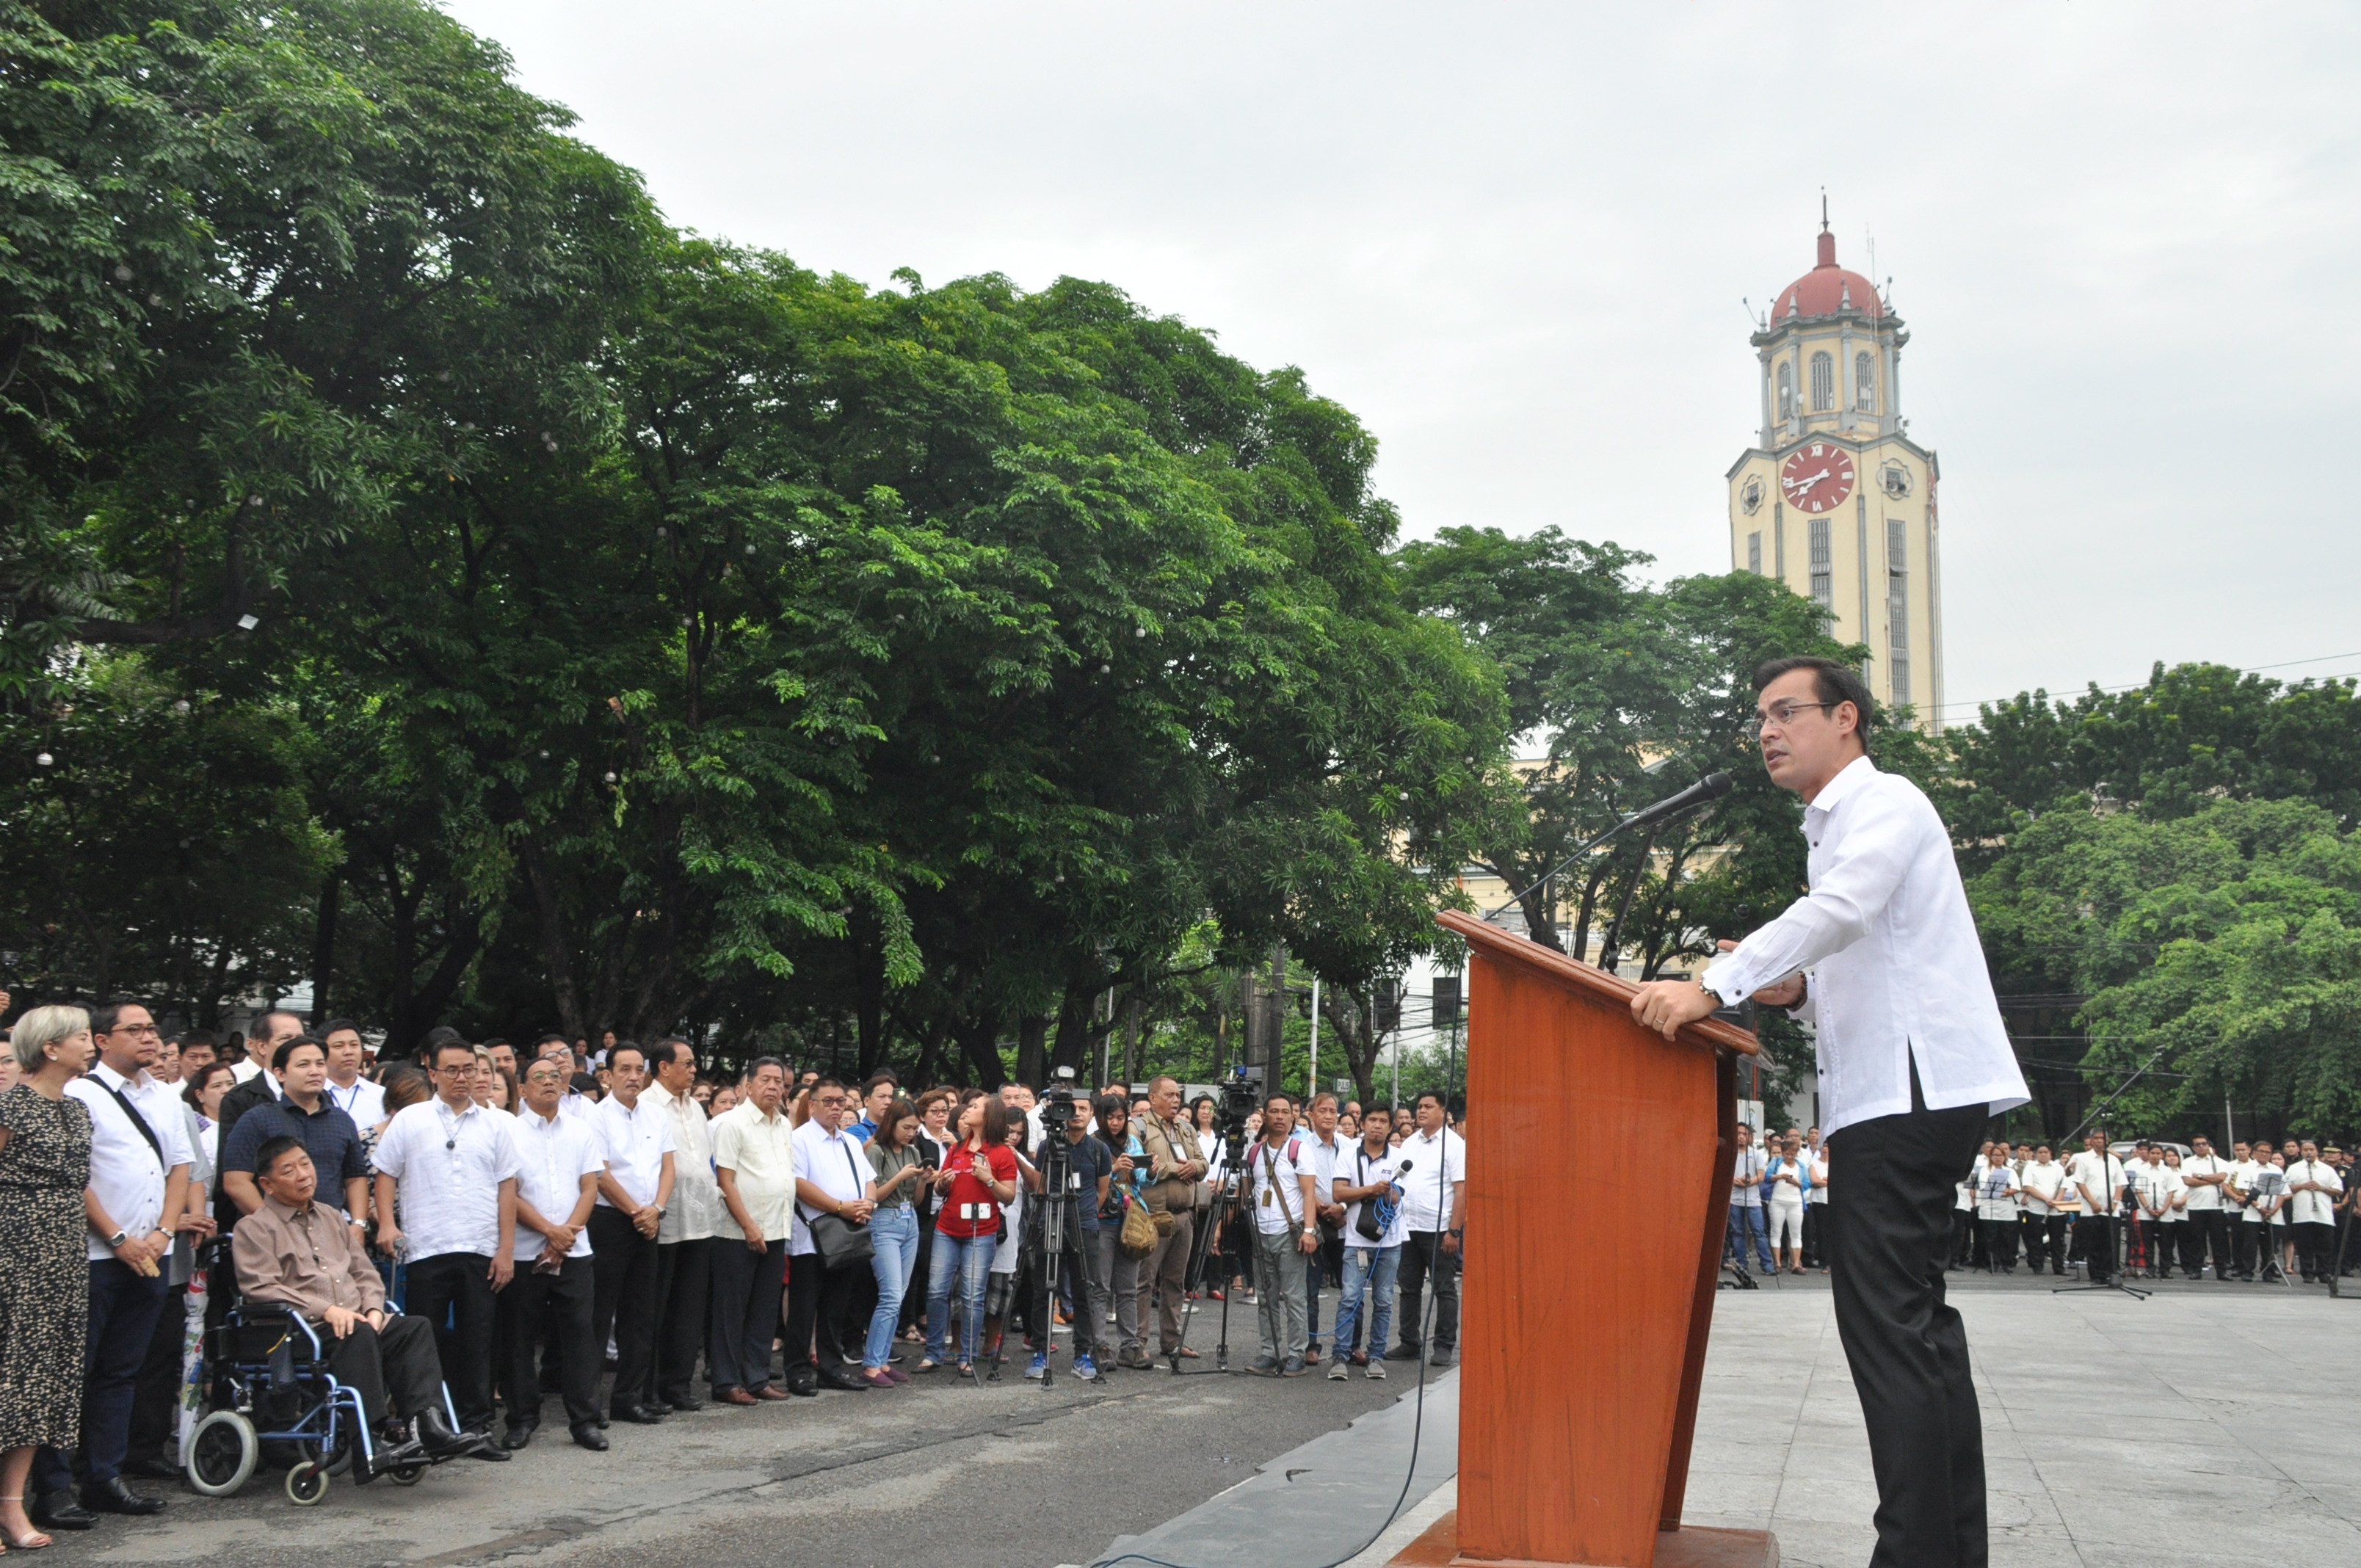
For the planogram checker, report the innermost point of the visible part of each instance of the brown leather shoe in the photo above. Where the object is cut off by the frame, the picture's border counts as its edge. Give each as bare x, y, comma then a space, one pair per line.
736, 1397
771, 1391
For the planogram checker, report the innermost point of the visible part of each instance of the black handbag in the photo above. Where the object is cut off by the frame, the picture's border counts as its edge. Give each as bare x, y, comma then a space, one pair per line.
840, 1242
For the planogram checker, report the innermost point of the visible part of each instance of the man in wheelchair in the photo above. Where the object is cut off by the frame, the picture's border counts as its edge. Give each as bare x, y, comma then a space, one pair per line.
291, 1253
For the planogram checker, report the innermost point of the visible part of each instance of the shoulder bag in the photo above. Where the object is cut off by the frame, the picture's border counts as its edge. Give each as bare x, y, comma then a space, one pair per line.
840, 1243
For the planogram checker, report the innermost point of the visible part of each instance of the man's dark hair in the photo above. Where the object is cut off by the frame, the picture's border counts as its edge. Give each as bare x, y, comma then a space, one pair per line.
103, 1018
204, 1037
452, 1044
1831, 683
884, 1075
272, 1151
286, 1051
587, 1086
663, 1053
824, 1082
620, 1046
332, 1025
759, 1063
1424, 1095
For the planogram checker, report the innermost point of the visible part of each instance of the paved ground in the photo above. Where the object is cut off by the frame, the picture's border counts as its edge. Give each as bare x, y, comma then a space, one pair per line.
935, 1472
2212, 1420
2208, 1422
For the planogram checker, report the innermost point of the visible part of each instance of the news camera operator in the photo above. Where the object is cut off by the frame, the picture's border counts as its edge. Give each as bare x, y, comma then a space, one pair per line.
1069, 1171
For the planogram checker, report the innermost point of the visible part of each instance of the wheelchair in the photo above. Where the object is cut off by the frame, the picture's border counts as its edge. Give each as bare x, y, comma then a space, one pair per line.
267, 1381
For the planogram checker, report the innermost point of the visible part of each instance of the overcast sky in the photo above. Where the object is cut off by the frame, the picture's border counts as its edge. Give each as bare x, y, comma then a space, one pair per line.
2125, 240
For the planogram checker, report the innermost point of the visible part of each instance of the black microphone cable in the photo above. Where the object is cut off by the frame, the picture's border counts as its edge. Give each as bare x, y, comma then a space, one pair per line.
1713, 786
1425, 1336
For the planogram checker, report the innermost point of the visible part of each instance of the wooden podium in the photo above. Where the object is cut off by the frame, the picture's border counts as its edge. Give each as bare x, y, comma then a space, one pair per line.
1597, 1192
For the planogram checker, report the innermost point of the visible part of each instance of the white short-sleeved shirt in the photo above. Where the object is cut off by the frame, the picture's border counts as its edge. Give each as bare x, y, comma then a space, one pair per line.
1320, 1161
1785, 1193
757, 1151
1749, 1163
1358, 1170
2041, 1183
834, 1164
2313, 1208
448, 1170
364, 1101
1819, 1192
1437, 1164
635, 1138
2157, 1186
2103, 1174
696, 1197
1996, 1192
553, 1156
126, 1173
1273, 1191
2205, 1199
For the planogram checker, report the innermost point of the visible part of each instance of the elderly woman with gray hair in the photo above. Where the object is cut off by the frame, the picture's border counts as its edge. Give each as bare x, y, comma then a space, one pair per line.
44, 1281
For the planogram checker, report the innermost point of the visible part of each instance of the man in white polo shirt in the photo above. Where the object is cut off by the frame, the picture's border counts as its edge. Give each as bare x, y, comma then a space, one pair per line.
2205, 1174
348, 1090
2043, 1223
1435, 1211
451, 1165
684, 1262
754, 1161
831, 1178
2314, 1187
559, 1162
637, 1141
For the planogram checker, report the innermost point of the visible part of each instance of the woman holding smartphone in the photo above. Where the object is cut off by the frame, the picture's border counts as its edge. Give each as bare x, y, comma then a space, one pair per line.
898, 1176
978, 1176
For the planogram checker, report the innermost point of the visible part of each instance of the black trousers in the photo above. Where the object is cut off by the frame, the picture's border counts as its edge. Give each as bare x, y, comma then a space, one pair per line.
2035, 1229
1073, 1278
1814, 1244
819, 1304
452, 1293
625, 1305
914, 1300
559, 1305
2095, 1239
1999, 1244
746, 1286
1890, 1231
684, 1277
2209, 1232
2315, 1247
2242, 1245
1422, 1258
155, 1395
398, 1360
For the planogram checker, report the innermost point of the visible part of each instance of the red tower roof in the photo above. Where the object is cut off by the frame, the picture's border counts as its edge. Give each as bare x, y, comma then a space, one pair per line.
1827, 289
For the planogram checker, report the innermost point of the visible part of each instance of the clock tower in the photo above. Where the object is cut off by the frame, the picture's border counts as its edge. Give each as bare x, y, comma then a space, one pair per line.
1834, 498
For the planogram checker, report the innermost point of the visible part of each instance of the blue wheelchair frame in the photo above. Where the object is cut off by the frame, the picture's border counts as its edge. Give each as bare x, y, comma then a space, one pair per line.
298, 1361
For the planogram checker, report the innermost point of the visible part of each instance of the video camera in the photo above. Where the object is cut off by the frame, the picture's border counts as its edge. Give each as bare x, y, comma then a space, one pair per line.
1056, 1107
1241, 1098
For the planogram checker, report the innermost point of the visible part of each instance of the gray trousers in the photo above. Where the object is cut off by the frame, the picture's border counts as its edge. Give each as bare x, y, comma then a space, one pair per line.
1119, 1276
1279, 1294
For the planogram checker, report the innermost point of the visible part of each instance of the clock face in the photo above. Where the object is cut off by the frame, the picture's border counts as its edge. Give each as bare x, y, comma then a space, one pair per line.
1818, 478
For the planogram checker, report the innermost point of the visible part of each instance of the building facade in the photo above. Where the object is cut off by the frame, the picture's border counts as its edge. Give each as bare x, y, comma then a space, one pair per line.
1834, 498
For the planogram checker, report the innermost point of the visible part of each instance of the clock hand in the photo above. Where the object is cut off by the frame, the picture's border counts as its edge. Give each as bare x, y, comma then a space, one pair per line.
1803, 485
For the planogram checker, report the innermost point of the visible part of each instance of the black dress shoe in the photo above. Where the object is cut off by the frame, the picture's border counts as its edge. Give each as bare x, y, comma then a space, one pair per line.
435, 1436
490, 1450
838, 1377
587, 1436
115, 1497
684, 1401
58, 1511
804, 1383
638, 1415
516, 1438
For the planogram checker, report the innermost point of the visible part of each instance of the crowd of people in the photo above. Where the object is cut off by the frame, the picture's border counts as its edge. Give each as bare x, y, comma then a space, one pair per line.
2261, 1213
620, 1230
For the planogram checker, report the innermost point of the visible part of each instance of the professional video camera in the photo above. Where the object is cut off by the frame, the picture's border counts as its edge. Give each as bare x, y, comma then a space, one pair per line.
1241, 1098
1057, 1106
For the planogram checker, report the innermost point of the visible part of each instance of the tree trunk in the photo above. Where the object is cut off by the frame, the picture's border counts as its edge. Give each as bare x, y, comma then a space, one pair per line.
1032, 1057
977, 1038
554, 948
323, 946
869, 997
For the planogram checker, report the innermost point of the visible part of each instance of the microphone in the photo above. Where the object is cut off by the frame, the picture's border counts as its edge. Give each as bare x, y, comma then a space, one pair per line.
1713, 786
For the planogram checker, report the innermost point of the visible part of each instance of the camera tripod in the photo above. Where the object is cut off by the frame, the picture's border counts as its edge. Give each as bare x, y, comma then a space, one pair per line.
1050, 1220
1201, 1251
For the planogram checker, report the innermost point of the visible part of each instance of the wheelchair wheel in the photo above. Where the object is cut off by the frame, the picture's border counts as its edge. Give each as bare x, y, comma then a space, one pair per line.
222, 1453
306, 1483
408, 1476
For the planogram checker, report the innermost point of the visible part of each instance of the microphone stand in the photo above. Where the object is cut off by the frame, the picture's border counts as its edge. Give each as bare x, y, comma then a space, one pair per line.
2107, 1187
1711, 787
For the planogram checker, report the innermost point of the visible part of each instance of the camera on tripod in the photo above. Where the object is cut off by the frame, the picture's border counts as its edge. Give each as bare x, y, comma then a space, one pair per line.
1241, 1098
1057, 1112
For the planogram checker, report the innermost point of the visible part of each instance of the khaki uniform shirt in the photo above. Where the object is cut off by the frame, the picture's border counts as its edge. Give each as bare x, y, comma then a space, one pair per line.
696, 1194
1173, 1142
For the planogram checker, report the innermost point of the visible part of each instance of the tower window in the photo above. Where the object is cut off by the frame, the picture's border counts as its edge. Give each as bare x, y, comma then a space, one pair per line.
1864, 382
1824, 581
1897, 607
1823, 382
1786, 390
1754, 553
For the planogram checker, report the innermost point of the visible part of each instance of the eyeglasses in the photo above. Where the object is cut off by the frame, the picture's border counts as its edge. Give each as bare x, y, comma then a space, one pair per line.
135, 1029
1780, 715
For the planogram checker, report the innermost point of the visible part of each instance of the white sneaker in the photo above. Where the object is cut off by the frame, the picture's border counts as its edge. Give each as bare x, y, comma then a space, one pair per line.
1335, 1372
1377, 1366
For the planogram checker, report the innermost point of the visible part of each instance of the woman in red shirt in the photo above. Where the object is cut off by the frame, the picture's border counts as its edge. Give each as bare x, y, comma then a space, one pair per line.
978, 1176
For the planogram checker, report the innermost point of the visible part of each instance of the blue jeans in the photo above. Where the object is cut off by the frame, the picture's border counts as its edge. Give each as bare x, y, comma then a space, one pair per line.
894, 1241
1744, 1221
969, 1259
1369, 1268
